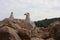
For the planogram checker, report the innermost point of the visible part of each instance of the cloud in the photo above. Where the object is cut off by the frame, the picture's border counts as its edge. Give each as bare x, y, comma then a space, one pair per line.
39, 9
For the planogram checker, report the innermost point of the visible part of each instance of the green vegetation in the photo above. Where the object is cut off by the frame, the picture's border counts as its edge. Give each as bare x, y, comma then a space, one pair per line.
45, 22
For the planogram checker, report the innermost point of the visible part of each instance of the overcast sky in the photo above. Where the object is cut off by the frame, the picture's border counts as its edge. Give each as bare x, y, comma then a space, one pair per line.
38, 9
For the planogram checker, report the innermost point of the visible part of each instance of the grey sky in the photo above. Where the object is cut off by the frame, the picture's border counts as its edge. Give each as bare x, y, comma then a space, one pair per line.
38, 9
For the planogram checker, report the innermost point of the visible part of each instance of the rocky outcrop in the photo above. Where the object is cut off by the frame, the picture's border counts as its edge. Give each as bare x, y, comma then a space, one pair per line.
17, 29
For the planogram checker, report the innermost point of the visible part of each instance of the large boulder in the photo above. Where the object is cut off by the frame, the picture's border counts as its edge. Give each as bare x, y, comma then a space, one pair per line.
24, 34
55, 30
7, 33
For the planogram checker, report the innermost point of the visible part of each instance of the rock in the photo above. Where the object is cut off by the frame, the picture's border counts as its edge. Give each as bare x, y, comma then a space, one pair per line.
12, 33
50, 39
24, 34
35, 38
55, 30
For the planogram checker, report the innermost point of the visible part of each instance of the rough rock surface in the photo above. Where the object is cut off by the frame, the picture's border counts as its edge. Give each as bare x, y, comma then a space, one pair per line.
55, 30
18, 29
10, 33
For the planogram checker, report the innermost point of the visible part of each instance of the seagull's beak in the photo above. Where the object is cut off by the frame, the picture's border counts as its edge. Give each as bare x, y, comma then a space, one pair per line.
24, 14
